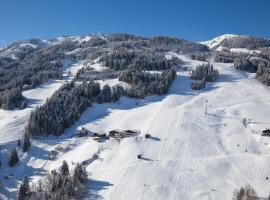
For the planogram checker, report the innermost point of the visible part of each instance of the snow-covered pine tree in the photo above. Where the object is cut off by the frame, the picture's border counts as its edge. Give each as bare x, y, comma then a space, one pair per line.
26, 142
245, 193
24, 191
80, 173
13, 157
19, 142
64, 170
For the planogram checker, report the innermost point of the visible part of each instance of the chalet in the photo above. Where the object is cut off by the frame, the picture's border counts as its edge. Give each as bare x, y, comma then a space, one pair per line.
113, 133
119, 135
100, 137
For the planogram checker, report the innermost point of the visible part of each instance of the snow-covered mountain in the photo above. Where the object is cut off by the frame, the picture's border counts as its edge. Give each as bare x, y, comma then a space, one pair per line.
217, 41
204, 144
237, 43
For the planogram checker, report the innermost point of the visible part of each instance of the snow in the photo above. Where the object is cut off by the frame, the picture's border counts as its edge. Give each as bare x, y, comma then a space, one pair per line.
79, 39
196, 152
11, 52
112, 82
244, 50
85, 39
98, 66
217, 41
28, 45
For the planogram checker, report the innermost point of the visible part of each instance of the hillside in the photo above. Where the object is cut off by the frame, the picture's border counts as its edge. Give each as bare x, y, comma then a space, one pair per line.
204, 143
217, 41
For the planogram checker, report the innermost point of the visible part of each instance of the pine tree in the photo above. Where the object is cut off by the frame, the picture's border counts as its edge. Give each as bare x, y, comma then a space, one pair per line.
19, 142
245, 193
13, 158
64, 169
80, 173
26, 142
24, 191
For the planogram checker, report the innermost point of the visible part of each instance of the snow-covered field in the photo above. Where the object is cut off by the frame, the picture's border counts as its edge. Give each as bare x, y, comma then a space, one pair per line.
205, 144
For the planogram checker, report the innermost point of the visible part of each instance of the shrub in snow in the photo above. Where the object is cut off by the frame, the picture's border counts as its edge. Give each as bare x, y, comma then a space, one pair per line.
13, 157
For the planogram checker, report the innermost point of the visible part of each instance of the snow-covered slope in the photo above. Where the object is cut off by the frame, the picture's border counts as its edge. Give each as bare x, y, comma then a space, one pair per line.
12, 123
196, 152
217, 41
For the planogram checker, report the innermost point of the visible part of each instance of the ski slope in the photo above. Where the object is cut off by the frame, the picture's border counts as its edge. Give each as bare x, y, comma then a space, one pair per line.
204, 144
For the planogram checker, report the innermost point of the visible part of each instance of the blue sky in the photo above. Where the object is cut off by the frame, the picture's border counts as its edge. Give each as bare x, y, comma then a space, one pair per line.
190, 19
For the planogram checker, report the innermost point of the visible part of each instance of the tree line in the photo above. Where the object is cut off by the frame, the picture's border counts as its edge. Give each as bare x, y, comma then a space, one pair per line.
24, 143
58, 185
122, 59
146, 84
62, 109
259, 65
202, 74
247, 42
